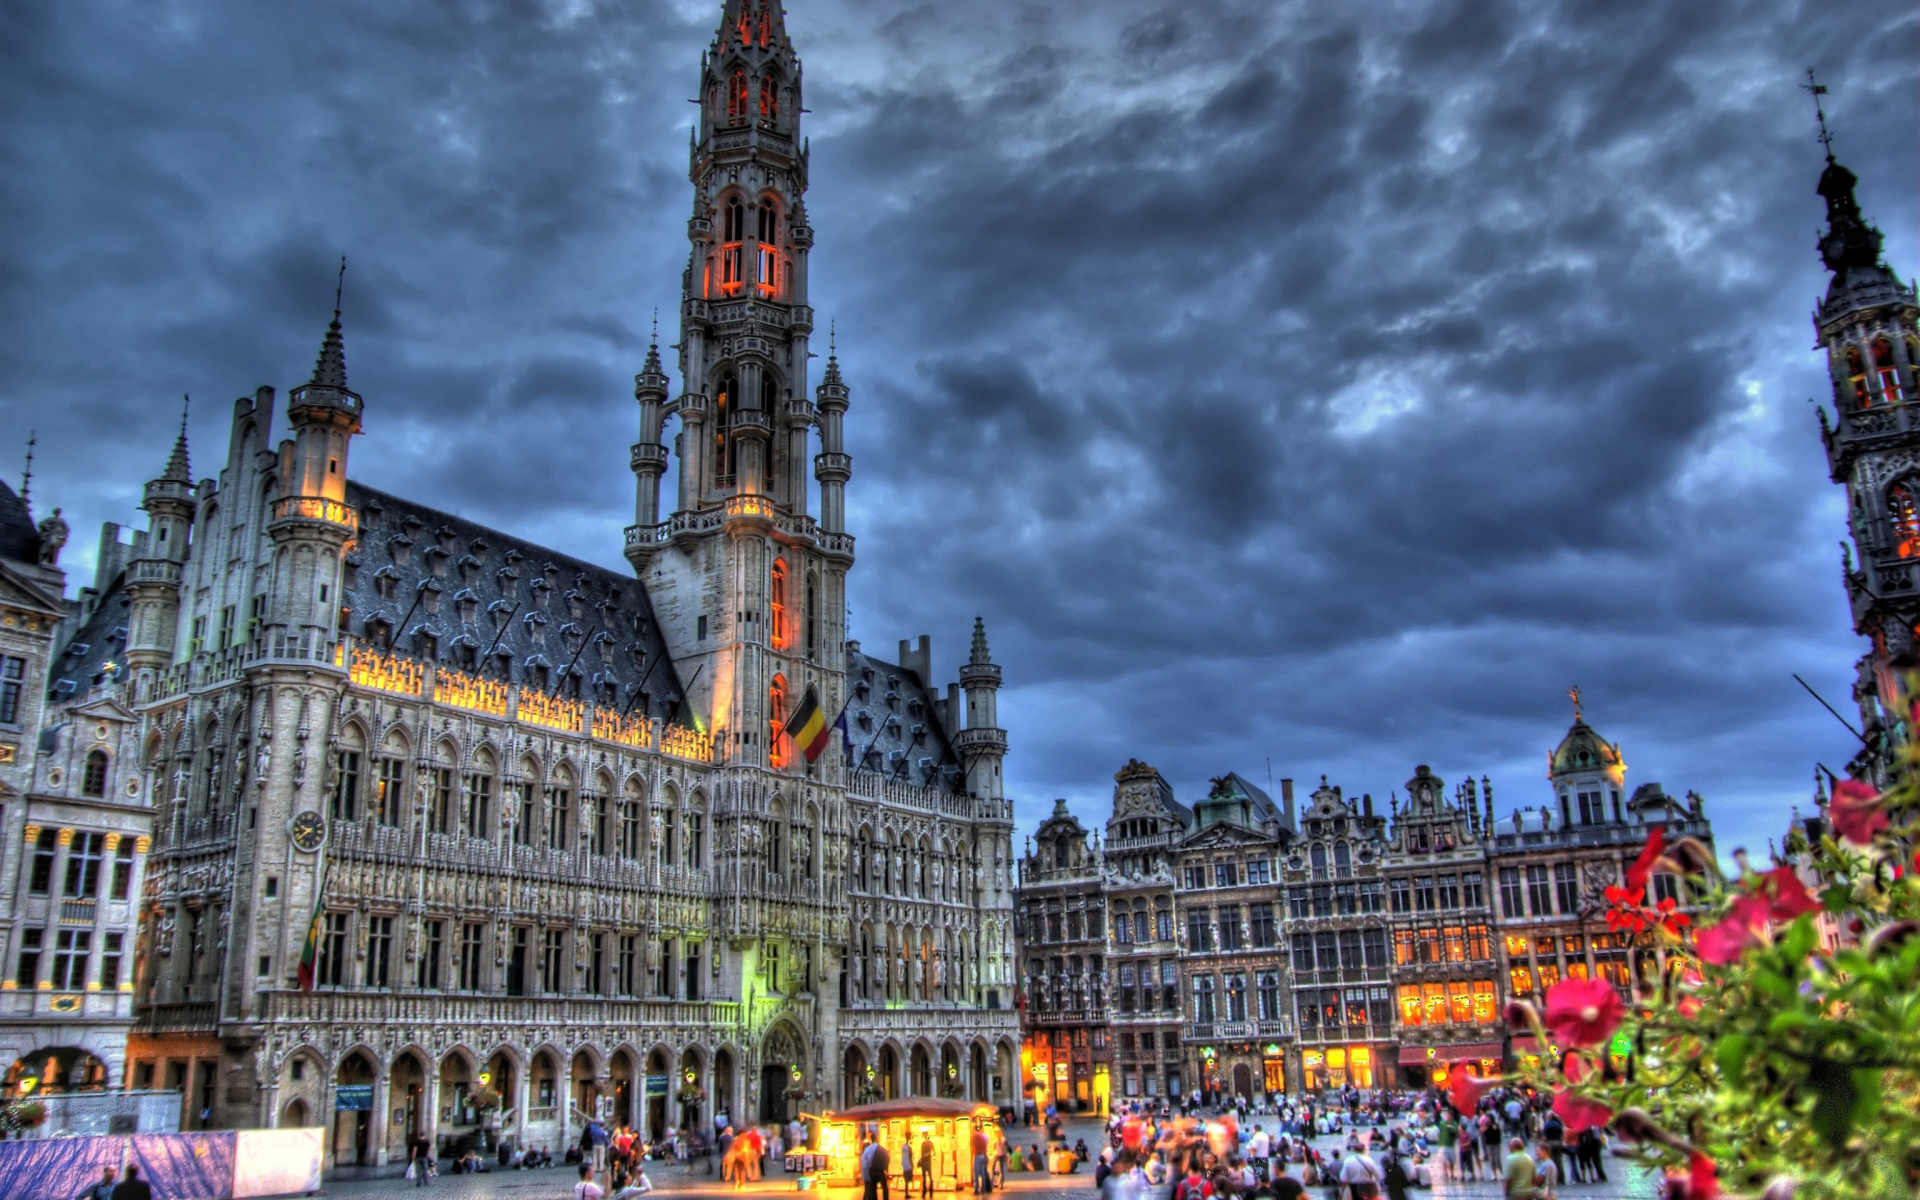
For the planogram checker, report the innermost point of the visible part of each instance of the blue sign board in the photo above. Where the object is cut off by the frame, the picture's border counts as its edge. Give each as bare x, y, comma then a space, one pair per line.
353, 1097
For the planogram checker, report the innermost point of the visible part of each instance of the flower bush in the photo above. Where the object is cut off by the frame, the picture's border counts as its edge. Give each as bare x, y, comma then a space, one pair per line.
1776, 1051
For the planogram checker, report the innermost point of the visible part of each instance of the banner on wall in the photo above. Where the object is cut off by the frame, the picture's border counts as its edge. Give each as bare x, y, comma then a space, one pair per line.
57, 1168
185, 1166
276, 1162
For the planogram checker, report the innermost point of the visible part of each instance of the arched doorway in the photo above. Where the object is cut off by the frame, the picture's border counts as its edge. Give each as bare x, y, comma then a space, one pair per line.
295, 1116
584, 1094
353, 1112
856, 1078
659, 1084
920, 1082
691, 1090
782, 1071
949, 1081
499, 1083
543, 1099
620, 1078
977, 1077
889, 1076
457, 1087
56, 1069
407, 1095
723, 1084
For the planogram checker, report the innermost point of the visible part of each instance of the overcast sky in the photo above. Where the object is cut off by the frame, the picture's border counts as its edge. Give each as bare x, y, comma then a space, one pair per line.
1319, 385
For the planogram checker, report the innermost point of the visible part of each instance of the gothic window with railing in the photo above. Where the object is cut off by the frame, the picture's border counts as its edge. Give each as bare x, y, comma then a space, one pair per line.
1905, 518
1857, 376
733, 233
782, 610
1888, 371
723, 444
777, 704
737, 97
769, 227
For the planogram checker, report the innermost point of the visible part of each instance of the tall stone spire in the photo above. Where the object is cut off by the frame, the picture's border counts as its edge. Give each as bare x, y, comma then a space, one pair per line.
178, 469
980, 654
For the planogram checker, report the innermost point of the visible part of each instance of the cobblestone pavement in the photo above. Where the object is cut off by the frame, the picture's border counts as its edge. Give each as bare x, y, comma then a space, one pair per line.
1625, 1182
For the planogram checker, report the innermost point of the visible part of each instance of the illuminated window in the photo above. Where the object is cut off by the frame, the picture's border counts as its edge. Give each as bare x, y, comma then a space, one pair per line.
1434, 995
769, 98
1460, 1000
1483, 1001
1857, 376
1411, 1010
1520, 981
782, 614
769, 228
766, 26
777, 708
1905, 518
733, 231
737, 97
723, 448
1403, 947
1887, 370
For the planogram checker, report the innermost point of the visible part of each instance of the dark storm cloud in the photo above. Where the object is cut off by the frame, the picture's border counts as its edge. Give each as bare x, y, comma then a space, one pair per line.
1325, 384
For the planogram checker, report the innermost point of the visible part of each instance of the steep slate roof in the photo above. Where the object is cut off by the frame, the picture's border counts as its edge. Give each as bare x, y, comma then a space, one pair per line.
19, 540
891, 717
101, 640
560, 600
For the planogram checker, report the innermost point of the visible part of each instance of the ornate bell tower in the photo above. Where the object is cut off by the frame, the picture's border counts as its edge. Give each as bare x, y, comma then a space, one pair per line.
1867, 325
748, 587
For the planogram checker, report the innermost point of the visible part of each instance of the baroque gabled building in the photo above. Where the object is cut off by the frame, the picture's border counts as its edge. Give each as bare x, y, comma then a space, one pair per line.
458, 836
1143, 962
1062, 926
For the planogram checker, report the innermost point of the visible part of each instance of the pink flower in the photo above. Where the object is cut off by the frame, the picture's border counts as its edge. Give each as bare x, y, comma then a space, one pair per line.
1578, 1112
1727, 941
1583, 1012
1855, 811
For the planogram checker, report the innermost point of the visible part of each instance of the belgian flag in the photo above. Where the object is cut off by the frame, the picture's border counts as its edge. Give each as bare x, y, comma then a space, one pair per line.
808, 726
309, 951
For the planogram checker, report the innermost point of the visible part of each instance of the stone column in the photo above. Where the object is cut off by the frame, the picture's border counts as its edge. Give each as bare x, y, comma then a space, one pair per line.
380, 1127
430, 1107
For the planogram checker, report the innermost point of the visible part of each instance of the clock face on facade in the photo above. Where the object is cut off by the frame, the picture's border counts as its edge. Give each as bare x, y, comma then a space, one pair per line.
307, 829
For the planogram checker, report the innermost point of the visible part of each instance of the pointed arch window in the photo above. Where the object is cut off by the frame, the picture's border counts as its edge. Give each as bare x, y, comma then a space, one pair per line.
1888, 371
1903, 512
782, 610
766, 26
723, 446
812, 616
733, 229
777, 746
769, 98
737, 97
769, 228
744, 26
1857, 376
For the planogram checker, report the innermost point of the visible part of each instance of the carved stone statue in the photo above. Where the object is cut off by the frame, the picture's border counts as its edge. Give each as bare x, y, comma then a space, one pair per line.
53, 535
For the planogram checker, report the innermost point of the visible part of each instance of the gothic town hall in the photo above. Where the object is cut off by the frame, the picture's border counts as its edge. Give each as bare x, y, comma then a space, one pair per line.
484, 836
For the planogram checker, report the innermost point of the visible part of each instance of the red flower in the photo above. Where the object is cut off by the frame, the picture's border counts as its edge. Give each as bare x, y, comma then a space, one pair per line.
1643, 866
1728, 940
1703, 1176
1583, 1012
1855, 811
1789, 897
1578, 1112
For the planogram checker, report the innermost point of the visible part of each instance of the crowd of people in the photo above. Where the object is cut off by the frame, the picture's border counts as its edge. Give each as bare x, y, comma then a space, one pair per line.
1385, 1144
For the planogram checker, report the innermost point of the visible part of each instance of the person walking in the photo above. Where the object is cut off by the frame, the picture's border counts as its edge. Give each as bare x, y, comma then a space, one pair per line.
420, 1157
1520, 1180
926, 1166
1361, 1175
982, 1180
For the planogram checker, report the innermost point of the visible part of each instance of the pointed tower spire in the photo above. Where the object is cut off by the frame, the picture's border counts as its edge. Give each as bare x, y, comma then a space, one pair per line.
331, 369
178, 468
980, 654
652, 365
26, 475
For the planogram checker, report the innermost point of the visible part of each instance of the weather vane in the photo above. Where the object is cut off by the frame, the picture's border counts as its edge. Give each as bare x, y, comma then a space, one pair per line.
26, 476
1813, 87
1573, 694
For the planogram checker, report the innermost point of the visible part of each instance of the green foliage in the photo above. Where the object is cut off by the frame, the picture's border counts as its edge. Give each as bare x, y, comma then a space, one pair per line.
1799, 1059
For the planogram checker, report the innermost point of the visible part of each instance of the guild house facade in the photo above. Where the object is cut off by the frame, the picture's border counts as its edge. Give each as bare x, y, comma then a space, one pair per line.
1251, 949
456, 835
